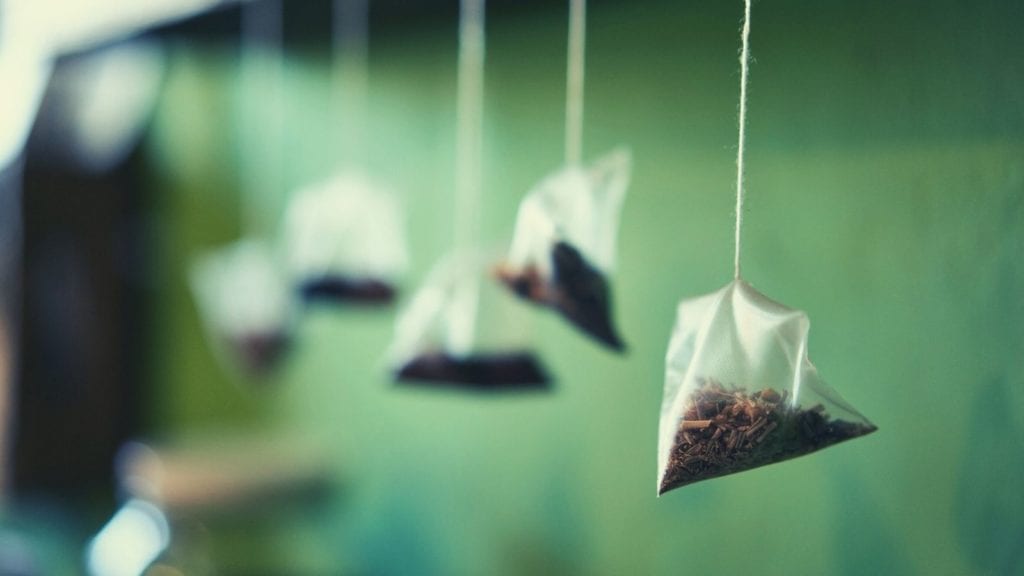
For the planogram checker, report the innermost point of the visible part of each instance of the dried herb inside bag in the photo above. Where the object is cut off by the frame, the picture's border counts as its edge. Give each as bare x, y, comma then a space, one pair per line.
726, 430
576, 289
483, 372
335, 288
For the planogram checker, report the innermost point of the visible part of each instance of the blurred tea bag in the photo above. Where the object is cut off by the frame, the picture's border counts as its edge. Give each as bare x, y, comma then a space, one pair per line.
436, 342
564, 244
344, 241
245, 304
344, 238
741, 392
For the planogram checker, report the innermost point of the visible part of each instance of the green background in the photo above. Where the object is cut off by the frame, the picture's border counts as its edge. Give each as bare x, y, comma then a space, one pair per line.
885, 197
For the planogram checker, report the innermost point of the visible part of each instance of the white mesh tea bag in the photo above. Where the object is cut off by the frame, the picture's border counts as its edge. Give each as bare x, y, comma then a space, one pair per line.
563, 246
436, 340
344, 238
344, 241
740, 390
436, 336
245, 304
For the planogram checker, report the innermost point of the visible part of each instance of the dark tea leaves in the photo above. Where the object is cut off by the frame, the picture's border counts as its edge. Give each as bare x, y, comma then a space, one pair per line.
484, 372
577, 290
724, 431
342, 289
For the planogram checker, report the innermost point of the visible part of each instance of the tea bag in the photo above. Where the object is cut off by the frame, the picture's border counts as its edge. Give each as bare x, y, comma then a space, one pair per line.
435, 337
344, 241
245, 305
344, 238
740, 390
563, 247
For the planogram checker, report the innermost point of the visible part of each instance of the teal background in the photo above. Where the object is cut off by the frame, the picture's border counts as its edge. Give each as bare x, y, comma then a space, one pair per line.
885, 198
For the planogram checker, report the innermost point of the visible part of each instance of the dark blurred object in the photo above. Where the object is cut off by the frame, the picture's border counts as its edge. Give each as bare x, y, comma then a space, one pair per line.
485, 372
584, 298
577, 290
335, 288
10, 264
84, 275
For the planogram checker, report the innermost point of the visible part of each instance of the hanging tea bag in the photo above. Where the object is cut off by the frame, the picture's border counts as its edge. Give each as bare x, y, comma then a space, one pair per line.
436, 337
741, 392
240, 289
740, 389
344, 241
563, 248
245, 304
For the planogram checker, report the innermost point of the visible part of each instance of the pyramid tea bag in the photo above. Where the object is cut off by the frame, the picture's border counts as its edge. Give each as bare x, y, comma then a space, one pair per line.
563, 246
435, 337
741, 392
245, 304
740, 389
344, 237
344, 241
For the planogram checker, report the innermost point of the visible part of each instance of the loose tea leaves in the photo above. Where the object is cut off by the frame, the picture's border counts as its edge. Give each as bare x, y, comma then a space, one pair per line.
727, 430
483, 372
577, 290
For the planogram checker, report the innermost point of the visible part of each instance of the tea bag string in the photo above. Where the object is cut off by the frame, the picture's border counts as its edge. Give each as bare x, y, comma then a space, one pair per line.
469, 124
461, 320
261, 125
350, 45
744, 75
574, 82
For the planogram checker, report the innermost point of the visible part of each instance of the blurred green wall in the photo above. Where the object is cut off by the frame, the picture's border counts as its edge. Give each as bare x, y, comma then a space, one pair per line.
886, 198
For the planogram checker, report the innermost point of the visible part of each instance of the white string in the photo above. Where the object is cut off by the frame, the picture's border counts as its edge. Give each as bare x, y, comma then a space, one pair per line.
469, 104
469, 124
744, 74
574, 82
261, 127
350, 43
